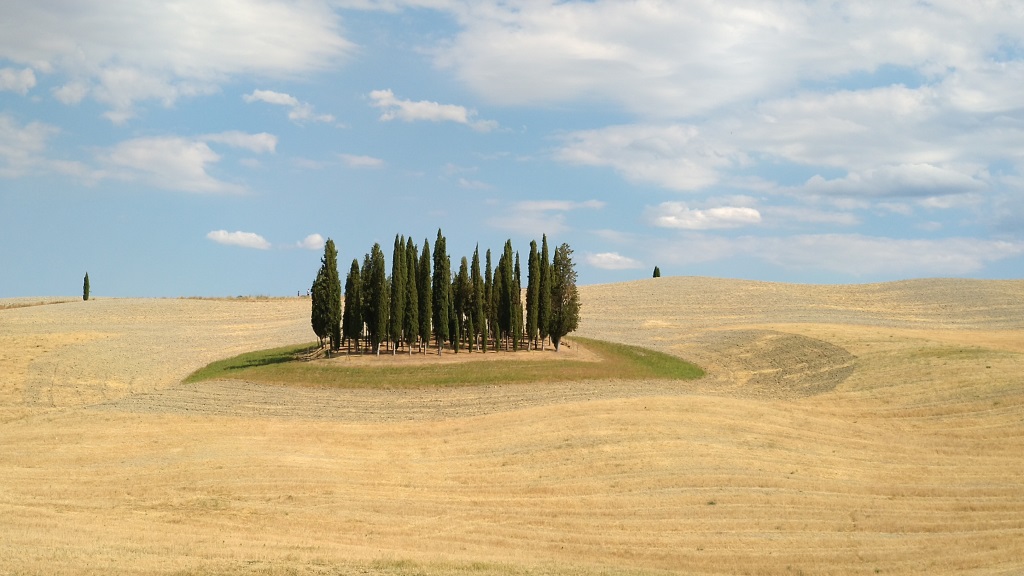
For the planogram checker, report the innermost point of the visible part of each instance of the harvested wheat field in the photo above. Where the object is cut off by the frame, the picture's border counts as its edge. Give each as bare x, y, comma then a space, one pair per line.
871, 429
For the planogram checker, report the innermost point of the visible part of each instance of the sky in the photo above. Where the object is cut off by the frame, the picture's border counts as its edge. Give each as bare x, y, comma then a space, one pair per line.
209, 147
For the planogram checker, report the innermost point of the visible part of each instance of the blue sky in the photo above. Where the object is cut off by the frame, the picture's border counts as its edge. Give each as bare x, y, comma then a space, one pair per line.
208, 147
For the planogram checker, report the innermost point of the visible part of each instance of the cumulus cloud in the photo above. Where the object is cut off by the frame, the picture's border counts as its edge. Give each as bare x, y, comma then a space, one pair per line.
851, 255
22, 147
239, 238
612, 261
902, 180
20, 81
312, 242
394, 108
538, 217
357, 161
298, 111
679, 215
257, 143
121, 54
170, 162
674, 156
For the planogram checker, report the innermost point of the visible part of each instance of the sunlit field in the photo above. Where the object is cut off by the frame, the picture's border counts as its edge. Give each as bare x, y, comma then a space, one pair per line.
871, 429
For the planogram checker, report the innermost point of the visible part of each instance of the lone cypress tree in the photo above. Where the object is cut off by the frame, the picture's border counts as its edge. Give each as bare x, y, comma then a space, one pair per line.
411, 322
532, 295
398, 269
657, 272
565, 299
85, 287
352, 318
544, 294
426, 297
442, 290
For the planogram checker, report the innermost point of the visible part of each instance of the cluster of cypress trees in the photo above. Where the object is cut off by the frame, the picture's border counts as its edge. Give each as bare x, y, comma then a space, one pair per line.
421, 298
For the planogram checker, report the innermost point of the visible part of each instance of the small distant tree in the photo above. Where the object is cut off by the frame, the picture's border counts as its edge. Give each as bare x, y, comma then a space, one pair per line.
85, 287
565, 299
657, 272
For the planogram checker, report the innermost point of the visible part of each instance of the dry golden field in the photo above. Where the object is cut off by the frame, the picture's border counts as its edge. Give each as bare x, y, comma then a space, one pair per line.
870, 429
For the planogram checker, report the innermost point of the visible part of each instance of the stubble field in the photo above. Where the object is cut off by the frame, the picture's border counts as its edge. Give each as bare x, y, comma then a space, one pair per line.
871, 429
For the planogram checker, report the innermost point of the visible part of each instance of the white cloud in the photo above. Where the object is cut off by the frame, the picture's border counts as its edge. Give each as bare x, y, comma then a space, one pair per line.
673, 60
312, 242
170, 162
679, 215
239, 238
271, 97
612, 261
902, 180
71, 93
536, 217
356, 161
298, 111
798, 214
257, 143
852, 255
425, 110
22, 146
473, 184
20, 81
125, 53
673, 156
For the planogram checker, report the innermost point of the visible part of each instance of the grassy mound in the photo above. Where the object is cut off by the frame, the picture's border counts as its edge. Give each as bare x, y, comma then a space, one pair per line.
283, 365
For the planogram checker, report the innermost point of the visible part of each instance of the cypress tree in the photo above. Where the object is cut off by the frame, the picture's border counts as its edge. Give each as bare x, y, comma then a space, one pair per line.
352, 319
565, 300
544, 294
506, 288
517, 306
461, 294
411, 324
85, 287
425, 296
657, 272
500, 295
366, 280
397, 320
333, 293
490, 308
453, 318
477, 306
378, 295
442, 290
532, 296
319, 315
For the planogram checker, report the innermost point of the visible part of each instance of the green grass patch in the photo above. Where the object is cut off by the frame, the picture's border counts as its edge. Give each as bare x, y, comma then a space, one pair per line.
284, 366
